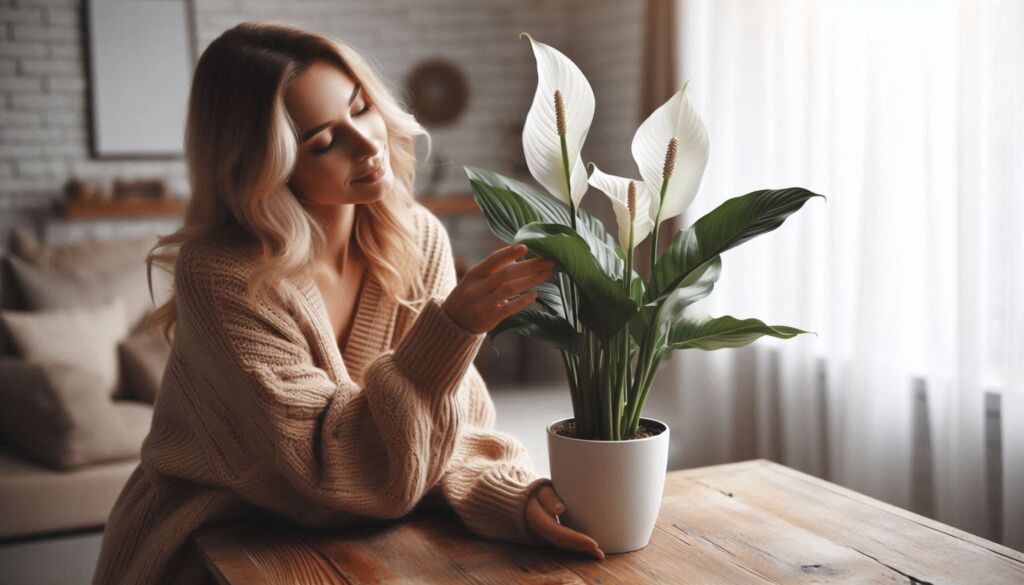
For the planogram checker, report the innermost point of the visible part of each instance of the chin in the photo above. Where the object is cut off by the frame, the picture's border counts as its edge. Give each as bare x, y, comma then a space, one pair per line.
375, 191
374, 197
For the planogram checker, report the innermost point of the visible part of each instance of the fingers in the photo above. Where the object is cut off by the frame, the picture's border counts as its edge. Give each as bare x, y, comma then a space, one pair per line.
516, 286
496, 260
496, 287
518, 269
515, 305
550, 501
561, 536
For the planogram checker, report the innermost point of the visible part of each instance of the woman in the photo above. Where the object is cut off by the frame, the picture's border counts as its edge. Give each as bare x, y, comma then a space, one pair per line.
321, 368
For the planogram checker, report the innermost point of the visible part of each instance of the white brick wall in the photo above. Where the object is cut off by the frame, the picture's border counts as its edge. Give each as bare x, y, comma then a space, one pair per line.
43, 87
43, 90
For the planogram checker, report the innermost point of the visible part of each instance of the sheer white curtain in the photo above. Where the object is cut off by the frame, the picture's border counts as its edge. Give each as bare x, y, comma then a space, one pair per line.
909, 117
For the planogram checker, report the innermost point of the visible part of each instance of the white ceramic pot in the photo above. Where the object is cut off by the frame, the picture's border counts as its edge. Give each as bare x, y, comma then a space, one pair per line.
611, 489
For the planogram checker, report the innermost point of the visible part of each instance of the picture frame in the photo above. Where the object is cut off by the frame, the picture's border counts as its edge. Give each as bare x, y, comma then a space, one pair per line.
140, 58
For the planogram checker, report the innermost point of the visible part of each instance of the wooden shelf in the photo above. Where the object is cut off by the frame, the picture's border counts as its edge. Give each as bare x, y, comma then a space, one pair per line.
123, 208
456, 204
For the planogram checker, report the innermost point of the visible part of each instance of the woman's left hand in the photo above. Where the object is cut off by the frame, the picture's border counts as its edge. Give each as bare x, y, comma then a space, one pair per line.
542, 512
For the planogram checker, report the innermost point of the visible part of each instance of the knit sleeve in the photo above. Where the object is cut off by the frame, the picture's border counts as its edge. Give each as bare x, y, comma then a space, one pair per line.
283, 435
490, 476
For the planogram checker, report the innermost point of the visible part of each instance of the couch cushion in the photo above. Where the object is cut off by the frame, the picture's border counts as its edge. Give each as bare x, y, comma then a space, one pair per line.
84, 337
36, 500
10, 298
144, 356
67, 275
43, 288
55, 416
92, 255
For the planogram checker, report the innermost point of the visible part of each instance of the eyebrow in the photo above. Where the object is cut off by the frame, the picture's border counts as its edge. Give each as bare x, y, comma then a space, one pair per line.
314, 130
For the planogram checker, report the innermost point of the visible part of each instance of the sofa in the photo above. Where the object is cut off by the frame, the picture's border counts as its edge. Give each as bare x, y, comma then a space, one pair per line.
79, 372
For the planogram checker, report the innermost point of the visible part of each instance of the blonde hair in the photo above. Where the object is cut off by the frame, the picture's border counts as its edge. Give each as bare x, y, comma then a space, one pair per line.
241, 146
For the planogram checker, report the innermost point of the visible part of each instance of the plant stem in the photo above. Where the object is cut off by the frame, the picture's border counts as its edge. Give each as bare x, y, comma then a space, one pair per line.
585, 423
595, 386
621, 374
574, 389
598, 387
624, 398
635, 387
573, 293
572, 217
648, 382
568, 181
606, 400
644, 367
657, 226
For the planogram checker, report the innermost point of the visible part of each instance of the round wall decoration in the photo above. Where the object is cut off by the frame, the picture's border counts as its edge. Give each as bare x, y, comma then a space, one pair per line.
438, 91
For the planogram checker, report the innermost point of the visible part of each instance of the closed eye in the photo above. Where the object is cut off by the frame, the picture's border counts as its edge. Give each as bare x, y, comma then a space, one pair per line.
330, 145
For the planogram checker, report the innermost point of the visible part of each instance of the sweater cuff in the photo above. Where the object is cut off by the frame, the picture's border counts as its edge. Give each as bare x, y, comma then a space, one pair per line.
436, 352
503, 496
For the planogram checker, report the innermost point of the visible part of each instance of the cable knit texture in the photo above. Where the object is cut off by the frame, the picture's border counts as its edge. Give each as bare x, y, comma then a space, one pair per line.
260, 412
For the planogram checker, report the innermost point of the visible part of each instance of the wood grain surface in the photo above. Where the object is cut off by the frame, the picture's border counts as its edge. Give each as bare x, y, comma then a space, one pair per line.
750, 522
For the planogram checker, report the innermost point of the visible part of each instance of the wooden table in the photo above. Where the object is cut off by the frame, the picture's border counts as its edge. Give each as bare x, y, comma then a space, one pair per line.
750, 522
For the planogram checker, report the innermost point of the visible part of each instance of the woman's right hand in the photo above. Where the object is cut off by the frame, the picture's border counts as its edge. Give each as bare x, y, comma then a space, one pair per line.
542, 510
481, 299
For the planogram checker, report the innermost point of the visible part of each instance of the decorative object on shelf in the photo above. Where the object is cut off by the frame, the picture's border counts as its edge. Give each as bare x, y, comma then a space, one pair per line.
439, 94
127, 198
80, 190
123, 208
144, 188
614, 329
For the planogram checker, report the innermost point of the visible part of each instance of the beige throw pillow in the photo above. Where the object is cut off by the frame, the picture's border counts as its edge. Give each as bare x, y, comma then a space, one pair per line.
48, 288
83, 337
55, 415
60, 276
144, 356
90, 255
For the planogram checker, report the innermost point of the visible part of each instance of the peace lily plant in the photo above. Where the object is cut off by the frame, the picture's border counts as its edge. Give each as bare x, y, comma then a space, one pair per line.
613, 328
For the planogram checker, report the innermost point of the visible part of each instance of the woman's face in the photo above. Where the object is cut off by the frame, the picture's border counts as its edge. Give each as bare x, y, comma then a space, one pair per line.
342, 137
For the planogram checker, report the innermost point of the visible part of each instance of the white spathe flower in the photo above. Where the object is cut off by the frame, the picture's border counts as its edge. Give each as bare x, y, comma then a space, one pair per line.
541, 142
677, 119
617, 190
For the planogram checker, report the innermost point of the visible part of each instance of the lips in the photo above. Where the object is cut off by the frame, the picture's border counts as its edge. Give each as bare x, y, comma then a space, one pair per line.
369, 174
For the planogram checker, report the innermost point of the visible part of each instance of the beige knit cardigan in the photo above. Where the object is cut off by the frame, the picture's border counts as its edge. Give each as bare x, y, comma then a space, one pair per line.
260, 411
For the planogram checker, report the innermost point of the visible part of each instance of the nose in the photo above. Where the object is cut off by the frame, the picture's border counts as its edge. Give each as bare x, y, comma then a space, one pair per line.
365, 147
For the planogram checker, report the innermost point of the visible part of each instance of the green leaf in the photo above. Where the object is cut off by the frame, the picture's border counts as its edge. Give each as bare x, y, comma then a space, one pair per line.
552, 211
666, 311
710, 333
636, 288
508, 205
604, 305
533, 322
727, 226
550, 297
610, 263
697, 285
504, 211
